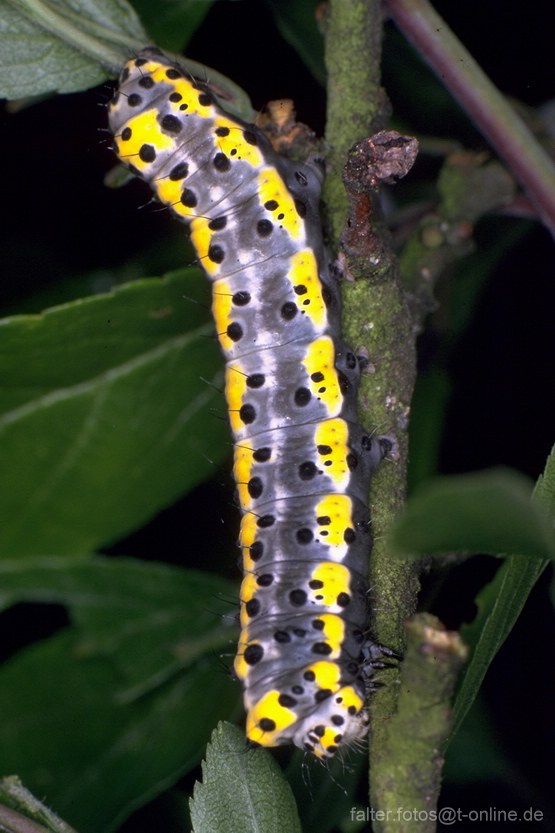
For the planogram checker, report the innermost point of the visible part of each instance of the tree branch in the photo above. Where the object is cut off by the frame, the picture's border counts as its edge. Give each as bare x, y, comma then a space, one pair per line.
376, 318
417, 732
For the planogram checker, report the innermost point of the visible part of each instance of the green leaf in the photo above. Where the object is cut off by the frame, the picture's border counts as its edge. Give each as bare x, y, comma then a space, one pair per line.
429, 404
487, 512
63, 46
84, 728
499, 606
500, 603
242, 790
463, 766
151, 619
544, 490
297, 25
171, 25
104, 415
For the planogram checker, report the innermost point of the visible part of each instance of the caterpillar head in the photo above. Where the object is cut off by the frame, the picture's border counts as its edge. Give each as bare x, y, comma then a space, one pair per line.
324, 735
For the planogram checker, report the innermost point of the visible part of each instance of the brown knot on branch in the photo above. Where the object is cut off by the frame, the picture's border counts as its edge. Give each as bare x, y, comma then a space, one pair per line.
384, 158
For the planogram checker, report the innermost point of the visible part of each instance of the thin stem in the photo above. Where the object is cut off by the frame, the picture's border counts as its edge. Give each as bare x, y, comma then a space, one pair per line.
34, 8
489, 109
21, 812
60, 25
12, 822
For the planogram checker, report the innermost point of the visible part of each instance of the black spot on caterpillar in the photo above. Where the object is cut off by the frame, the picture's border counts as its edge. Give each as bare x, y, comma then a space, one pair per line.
302, 463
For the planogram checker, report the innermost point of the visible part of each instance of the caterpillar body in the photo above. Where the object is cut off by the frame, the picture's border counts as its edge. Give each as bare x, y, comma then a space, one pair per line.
302, 464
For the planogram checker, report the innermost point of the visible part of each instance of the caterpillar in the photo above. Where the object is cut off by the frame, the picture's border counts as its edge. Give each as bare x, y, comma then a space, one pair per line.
302, 464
